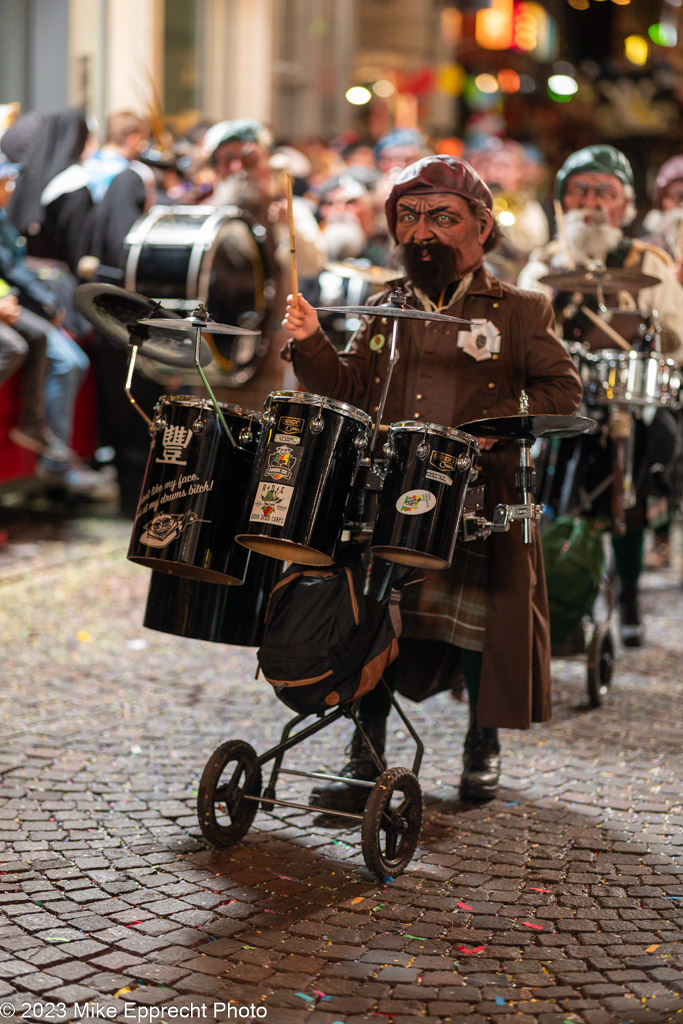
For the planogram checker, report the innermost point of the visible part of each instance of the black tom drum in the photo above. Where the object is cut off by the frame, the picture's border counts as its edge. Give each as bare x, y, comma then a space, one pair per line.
192, 493
220, 613
423, 494
305, 464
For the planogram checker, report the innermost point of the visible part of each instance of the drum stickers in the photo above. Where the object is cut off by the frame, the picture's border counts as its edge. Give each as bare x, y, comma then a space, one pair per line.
275, 490
415, 503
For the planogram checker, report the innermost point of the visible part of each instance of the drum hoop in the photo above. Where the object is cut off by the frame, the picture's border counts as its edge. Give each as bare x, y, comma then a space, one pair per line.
418, 427
305, 398
206, 403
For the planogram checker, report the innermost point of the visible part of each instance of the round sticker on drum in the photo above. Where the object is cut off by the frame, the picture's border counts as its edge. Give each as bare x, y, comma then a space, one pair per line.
416, 503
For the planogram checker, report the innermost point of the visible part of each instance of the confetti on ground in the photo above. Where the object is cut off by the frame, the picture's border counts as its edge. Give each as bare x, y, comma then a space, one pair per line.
358, 899
540, 890
302, 995
530, 924
475, 949
84, 636
464, 906
421, 938
500, 1001
651, 949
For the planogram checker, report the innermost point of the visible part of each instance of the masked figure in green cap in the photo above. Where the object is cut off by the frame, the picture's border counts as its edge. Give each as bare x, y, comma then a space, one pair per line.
639, 306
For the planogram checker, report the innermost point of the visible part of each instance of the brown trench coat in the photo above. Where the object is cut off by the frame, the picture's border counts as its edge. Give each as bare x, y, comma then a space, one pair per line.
438, 382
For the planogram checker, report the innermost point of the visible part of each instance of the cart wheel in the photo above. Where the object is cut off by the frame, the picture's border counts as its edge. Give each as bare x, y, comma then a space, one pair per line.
224, 813
600, 665
390, 832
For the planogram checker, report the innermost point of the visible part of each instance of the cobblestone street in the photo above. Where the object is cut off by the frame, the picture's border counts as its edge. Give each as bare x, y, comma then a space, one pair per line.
561, 901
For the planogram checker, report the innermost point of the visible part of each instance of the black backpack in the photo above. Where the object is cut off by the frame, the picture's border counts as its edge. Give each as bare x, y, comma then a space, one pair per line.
325, 642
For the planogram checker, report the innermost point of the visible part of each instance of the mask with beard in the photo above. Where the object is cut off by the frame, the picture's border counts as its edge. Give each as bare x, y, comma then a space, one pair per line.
238, 190
429, 275
591, 236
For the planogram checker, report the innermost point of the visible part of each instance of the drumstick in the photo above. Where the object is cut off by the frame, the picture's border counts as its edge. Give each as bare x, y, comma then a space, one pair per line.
562, 228
609, 331
292, 243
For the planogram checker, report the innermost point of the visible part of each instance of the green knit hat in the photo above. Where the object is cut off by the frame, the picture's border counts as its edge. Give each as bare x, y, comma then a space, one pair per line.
594, 160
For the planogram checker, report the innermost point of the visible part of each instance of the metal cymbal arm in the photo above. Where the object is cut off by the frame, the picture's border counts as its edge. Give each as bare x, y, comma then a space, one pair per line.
393, 359
219, 411
129, 380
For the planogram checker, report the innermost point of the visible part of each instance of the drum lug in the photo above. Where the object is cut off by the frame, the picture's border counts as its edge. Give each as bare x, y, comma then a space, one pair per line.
422, 451
198, 425
316, 425
245, 435
269, 419
474, 473
463, 462
389, 450
360, 442
157, 424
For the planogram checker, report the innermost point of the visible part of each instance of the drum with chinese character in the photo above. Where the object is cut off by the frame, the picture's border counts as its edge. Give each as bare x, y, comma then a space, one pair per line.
220, 613
423, 494
306, 460
192, 493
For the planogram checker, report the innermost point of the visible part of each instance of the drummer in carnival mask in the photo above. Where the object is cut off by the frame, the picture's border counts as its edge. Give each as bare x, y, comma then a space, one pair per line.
484, 620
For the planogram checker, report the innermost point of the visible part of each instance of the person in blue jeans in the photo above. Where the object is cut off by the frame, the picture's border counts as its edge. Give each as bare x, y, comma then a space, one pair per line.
67, 361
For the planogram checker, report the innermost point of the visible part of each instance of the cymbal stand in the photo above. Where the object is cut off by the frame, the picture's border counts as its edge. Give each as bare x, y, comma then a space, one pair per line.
202, 313
393, 359
129, 376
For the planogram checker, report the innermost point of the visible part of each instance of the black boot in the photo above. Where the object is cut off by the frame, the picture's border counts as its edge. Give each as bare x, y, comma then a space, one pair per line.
631, 631
481, 763
344, 796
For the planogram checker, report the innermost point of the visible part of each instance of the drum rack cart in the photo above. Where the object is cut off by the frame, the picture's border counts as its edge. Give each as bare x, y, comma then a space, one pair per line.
230, 793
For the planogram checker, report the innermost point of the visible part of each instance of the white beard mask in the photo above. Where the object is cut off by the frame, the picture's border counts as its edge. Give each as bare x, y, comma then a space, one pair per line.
590, 241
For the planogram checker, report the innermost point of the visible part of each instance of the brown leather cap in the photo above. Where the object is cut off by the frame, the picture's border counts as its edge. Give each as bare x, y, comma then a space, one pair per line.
437, 174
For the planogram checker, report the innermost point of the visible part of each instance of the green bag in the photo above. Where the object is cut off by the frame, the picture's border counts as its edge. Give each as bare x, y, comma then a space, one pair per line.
574, 561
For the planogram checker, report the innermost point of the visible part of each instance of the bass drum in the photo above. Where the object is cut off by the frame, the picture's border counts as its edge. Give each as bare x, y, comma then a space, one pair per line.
216, 256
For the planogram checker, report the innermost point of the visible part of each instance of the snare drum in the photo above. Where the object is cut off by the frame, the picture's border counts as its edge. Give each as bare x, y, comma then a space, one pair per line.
423, 493
190, 504
305, 463
635, 379
216, 612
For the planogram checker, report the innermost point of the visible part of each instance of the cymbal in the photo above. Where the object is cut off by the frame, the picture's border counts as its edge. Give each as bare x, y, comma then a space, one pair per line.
610, 279
520, 428
117, 313
191, 323
371, 274
388, 310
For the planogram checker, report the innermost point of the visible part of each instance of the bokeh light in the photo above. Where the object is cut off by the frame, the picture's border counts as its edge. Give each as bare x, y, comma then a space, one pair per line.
358, 95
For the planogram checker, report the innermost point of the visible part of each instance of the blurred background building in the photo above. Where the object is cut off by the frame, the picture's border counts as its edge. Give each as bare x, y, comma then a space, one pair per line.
555, 74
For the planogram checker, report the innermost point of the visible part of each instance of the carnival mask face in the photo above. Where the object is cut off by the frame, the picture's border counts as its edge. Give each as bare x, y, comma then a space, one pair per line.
593, 191
445, 218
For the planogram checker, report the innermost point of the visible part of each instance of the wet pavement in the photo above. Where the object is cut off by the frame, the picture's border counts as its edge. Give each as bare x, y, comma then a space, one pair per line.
560, 901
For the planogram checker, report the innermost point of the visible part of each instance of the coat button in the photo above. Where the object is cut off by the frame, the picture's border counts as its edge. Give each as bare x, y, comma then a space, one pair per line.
491, 385
378, 380
419, 397
494, 355
416, 416
496, 305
